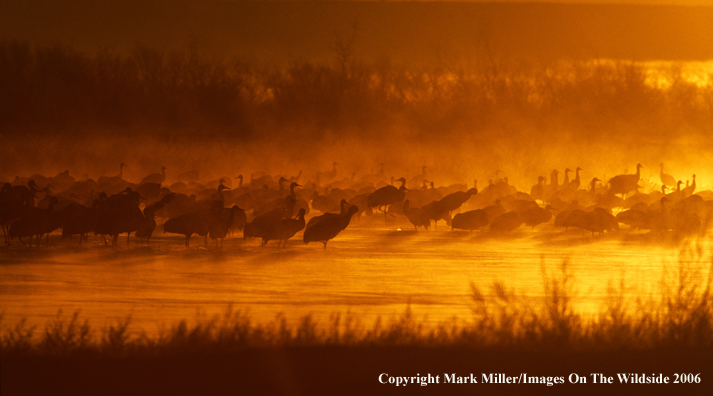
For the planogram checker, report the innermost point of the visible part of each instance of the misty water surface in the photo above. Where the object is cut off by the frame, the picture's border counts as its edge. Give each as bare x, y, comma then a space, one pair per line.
367, 272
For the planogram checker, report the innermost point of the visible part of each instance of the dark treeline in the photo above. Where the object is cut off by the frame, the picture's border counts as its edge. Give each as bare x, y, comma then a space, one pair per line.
50, 89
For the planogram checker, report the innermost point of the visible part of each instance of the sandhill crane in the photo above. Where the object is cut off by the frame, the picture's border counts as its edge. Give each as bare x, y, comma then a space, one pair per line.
330, 228
417, 180
287, 228
436, 210
10, 208
386, 196
454, 200
666, 179
565, 182
536, 215
624, 184
81, 222
506, 222
34, 222
599, 221
416, 216
576, 182
155, 177
676, 195
188, 224
538, 190
325, 177
24, 194
470, 220
147, 224
689, 190
219, 226
196, 222
262, 225
107, 180
316, 219
120, 214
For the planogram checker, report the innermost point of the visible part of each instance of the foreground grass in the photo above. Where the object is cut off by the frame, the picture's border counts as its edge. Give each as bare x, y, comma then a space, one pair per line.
509, 333
680, 316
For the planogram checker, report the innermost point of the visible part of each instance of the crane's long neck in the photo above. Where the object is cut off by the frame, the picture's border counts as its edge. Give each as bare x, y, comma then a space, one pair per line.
576, 175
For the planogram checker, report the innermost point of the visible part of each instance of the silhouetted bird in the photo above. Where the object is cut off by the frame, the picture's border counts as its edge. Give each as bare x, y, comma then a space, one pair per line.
689, 190
470, 220
576, 182
316, 219
538, 190
263, 225
599, 221
534, 216
506, 222
155, 177
624, 184
105, 180
147, 224
287, 228
330, 228
219, 226
188, 224
81, 222
455, 200
666, 179
387, 195
325, 177
34, 222
416, 216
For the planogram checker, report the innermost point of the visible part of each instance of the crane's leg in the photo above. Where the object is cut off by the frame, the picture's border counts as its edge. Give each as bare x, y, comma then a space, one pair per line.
23, 242
325, 244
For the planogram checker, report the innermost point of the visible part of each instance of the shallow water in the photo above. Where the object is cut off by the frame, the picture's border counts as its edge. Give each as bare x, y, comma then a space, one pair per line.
369, 270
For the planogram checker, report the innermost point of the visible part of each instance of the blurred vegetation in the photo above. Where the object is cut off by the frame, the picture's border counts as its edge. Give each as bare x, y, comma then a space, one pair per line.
57, 89
680, 316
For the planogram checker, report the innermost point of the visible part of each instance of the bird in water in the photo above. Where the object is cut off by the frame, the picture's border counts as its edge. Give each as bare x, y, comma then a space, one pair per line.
506, 222
263, 225
155, 177
148, 220
666, 179
470, 220
35, 222
325, 177
193, 223
538, 190
416, 216
343, 205
286, 229
689, 190
329, 228
220, 224
576, 182
624, 184
386, 196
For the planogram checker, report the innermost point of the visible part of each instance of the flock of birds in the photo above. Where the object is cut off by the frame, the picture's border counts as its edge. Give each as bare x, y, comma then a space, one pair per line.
272, 209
